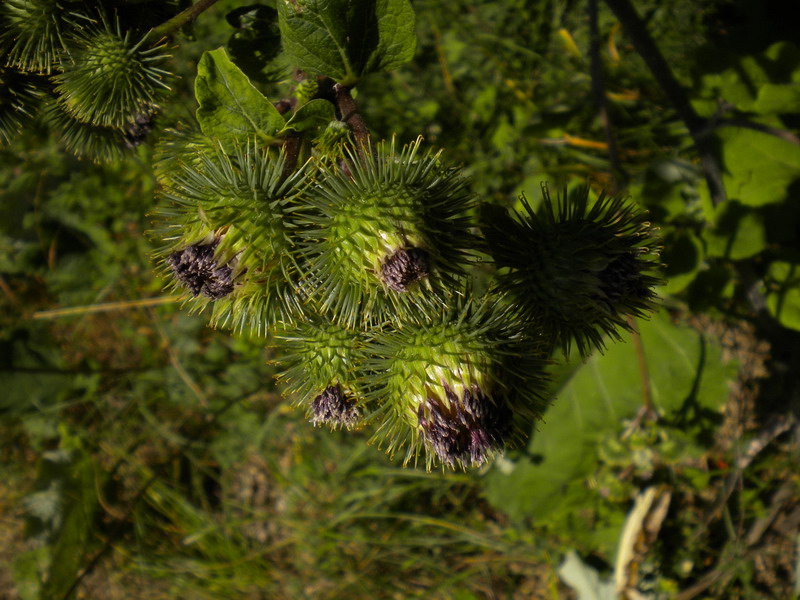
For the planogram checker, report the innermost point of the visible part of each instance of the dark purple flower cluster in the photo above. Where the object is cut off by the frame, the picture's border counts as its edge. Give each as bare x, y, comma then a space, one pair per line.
197, 269
137, 131
404, 267
464, 430
332, 407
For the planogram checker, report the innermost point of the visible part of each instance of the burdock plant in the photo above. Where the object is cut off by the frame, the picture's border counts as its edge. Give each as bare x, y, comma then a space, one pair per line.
111, 79
577, 270
455, 385
390, 227
390, 307
227, 236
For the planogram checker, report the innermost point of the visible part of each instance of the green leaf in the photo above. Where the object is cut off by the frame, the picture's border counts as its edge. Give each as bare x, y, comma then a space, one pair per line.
314, 115
739, 232
758, 167
230, 107
687, 379
783, 293
776, 98
347, 39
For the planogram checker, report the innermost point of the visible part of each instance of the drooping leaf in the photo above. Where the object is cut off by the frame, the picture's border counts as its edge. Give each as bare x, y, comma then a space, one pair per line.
230, 107
687, 378
347, 39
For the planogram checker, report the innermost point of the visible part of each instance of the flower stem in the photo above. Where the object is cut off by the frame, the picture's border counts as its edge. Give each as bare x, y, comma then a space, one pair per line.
179, 20
350, 115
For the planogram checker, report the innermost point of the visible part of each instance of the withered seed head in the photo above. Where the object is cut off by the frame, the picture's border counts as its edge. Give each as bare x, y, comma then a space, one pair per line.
196, 268
404, 267
466, 429
334, 408
137, 131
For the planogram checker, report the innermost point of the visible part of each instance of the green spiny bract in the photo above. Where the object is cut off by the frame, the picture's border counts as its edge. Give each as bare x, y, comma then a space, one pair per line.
322, 371
178, 149
331, 143
109, 79
576, 271
84, 140
19, 96
35, 31
455, 384
238, 204
383, 230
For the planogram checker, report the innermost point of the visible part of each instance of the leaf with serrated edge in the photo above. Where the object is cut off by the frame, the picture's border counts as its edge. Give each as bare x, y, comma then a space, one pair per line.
230, 107
347, 39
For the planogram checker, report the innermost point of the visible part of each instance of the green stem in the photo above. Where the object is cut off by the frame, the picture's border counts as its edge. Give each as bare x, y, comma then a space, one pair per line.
179, 20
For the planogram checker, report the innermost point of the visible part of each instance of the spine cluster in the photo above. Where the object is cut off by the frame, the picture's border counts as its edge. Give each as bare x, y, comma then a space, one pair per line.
361, 273
94, 71
392, 306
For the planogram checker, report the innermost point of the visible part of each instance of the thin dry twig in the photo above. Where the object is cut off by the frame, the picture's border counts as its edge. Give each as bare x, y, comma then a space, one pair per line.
106, 307
176, 363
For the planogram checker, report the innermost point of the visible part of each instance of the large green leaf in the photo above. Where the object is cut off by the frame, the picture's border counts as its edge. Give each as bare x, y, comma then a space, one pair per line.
347, 39
230, 107
758, 167
687, 378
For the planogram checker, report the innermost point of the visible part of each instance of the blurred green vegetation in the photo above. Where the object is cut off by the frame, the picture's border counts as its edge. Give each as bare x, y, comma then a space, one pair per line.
147, 456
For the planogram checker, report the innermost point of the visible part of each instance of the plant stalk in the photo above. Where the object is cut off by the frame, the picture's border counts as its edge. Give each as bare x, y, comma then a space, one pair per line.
182, 18
349, 114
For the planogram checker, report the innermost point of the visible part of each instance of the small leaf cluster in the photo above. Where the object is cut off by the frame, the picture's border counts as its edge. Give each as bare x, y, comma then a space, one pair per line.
94, 71
391, 305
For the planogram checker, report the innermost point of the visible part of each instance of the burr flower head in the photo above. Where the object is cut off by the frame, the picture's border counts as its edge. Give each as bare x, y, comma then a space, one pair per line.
388, 228
34, 32
321, 371
111, 80
225, 220
576, 270
334, 408
196, 268
456, 388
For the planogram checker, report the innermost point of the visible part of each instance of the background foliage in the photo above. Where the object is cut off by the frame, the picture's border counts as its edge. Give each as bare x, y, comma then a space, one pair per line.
147, 456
